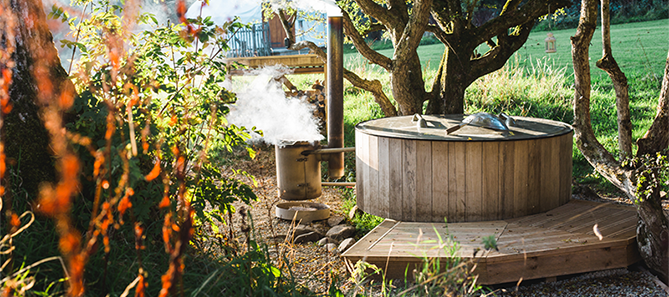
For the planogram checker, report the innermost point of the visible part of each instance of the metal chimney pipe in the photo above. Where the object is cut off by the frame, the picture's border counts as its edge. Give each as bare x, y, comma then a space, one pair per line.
335, 86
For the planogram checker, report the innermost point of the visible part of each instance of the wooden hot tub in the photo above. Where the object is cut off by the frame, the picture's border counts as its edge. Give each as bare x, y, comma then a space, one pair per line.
408, 173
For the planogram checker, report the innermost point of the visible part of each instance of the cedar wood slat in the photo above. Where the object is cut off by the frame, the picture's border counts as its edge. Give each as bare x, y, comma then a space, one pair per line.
520, 176
396, 187
507, 161
565, 167
424, 180
362, 168
473, 182
408, 180
440, 197
534, 176
491, 181
384, 178
372, 197
456, 180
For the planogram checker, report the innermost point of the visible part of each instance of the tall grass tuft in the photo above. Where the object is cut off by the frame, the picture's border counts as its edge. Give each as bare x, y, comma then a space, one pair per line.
537, 91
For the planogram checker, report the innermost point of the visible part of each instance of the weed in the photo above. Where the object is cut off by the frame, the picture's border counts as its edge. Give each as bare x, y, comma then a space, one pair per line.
450, 275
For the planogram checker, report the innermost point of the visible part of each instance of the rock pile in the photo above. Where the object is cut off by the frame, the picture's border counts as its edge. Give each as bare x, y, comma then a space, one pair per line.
333, 234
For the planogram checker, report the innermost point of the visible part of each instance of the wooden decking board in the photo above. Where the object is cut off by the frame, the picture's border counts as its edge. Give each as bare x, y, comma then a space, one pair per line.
623, 222
587, 219
558, 242
548, 218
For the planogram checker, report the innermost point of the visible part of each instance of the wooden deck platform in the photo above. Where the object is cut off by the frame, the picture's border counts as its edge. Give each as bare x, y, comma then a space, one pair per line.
558, 242
299, 64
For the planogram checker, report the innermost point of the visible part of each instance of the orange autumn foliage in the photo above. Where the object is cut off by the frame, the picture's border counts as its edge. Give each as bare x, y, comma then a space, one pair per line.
154, 172
15, 221
141, 285
165, 202
123, 205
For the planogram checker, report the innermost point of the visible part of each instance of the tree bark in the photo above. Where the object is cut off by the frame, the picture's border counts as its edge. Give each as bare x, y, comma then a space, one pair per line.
657, 138
408, 84
652, 227
407, 73
609, 64
27, 145
448, 89
652, 232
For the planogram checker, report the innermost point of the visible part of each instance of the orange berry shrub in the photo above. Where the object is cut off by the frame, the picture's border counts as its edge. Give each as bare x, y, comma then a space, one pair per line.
134, 171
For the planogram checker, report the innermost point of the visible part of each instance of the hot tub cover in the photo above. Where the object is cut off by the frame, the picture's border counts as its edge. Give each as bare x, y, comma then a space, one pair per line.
403, 127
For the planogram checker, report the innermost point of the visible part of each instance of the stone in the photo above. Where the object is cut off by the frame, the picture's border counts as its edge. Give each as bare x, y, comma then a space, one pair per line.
334, 221
325, 240
345, 244
279, 237
353, 211
340, 232
331, 247
301, 229
308, 237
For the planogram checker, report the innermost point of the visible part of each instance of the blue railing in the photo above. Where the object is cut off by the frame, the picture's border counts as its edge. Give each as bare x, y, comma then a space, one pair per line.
250, 42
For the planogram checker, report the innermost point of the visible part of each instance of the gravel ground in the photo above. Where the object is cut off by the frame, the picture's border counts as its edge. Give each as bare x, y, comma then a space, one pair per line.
614, 282
314, 266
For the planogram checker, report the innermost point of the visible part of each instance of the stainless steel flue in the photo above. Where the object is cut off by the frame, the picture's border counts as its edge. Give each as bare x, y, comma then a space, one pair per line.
335, 86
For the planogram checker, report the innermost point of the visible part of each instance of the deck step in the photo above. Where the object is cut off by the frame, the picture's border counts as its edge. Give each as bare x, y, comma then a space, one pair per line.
558, 242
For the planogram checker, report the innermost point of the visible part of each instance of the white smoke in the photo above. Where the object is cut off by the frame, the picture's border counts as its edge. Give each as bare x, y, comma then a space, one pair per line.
325, 6
263, 104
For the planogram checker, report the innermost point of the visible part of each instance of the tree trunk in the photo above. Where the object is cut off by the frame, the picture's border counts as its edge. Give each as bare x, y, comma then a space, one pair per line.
652, 227
652, 233
27, 145
609, 64
448, 90
408, 84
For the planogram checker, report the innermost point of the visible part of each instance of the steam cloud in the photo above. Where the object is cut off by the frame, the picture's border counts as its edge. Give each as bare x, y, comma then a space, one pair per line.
263, 104
325, 6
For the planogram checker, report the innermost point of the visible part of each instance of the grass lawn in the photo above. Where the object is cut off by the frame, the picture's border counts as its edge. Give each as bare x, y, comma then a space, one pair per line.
638, 47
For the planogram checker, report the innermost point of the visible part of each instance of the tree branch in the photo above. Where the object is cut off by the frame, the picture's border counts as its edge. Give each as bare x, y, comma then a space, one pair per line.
373, 86
376, 88
359, 42
448, 14
497, 56
512, 16
585, 138
470, 13
413, 32
373, 28
287, 25
399, 9
510, 5
657, 138
609, 64
370, 8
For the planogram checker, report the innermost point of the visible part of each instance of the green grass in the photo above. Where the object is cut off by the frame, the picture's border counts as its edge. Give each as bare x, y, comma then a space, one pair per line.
636, 47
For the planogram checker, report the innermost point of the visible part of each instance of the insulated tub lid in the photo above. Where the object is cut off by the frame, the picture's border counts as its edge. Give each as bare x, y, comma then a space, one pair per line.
403, 127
